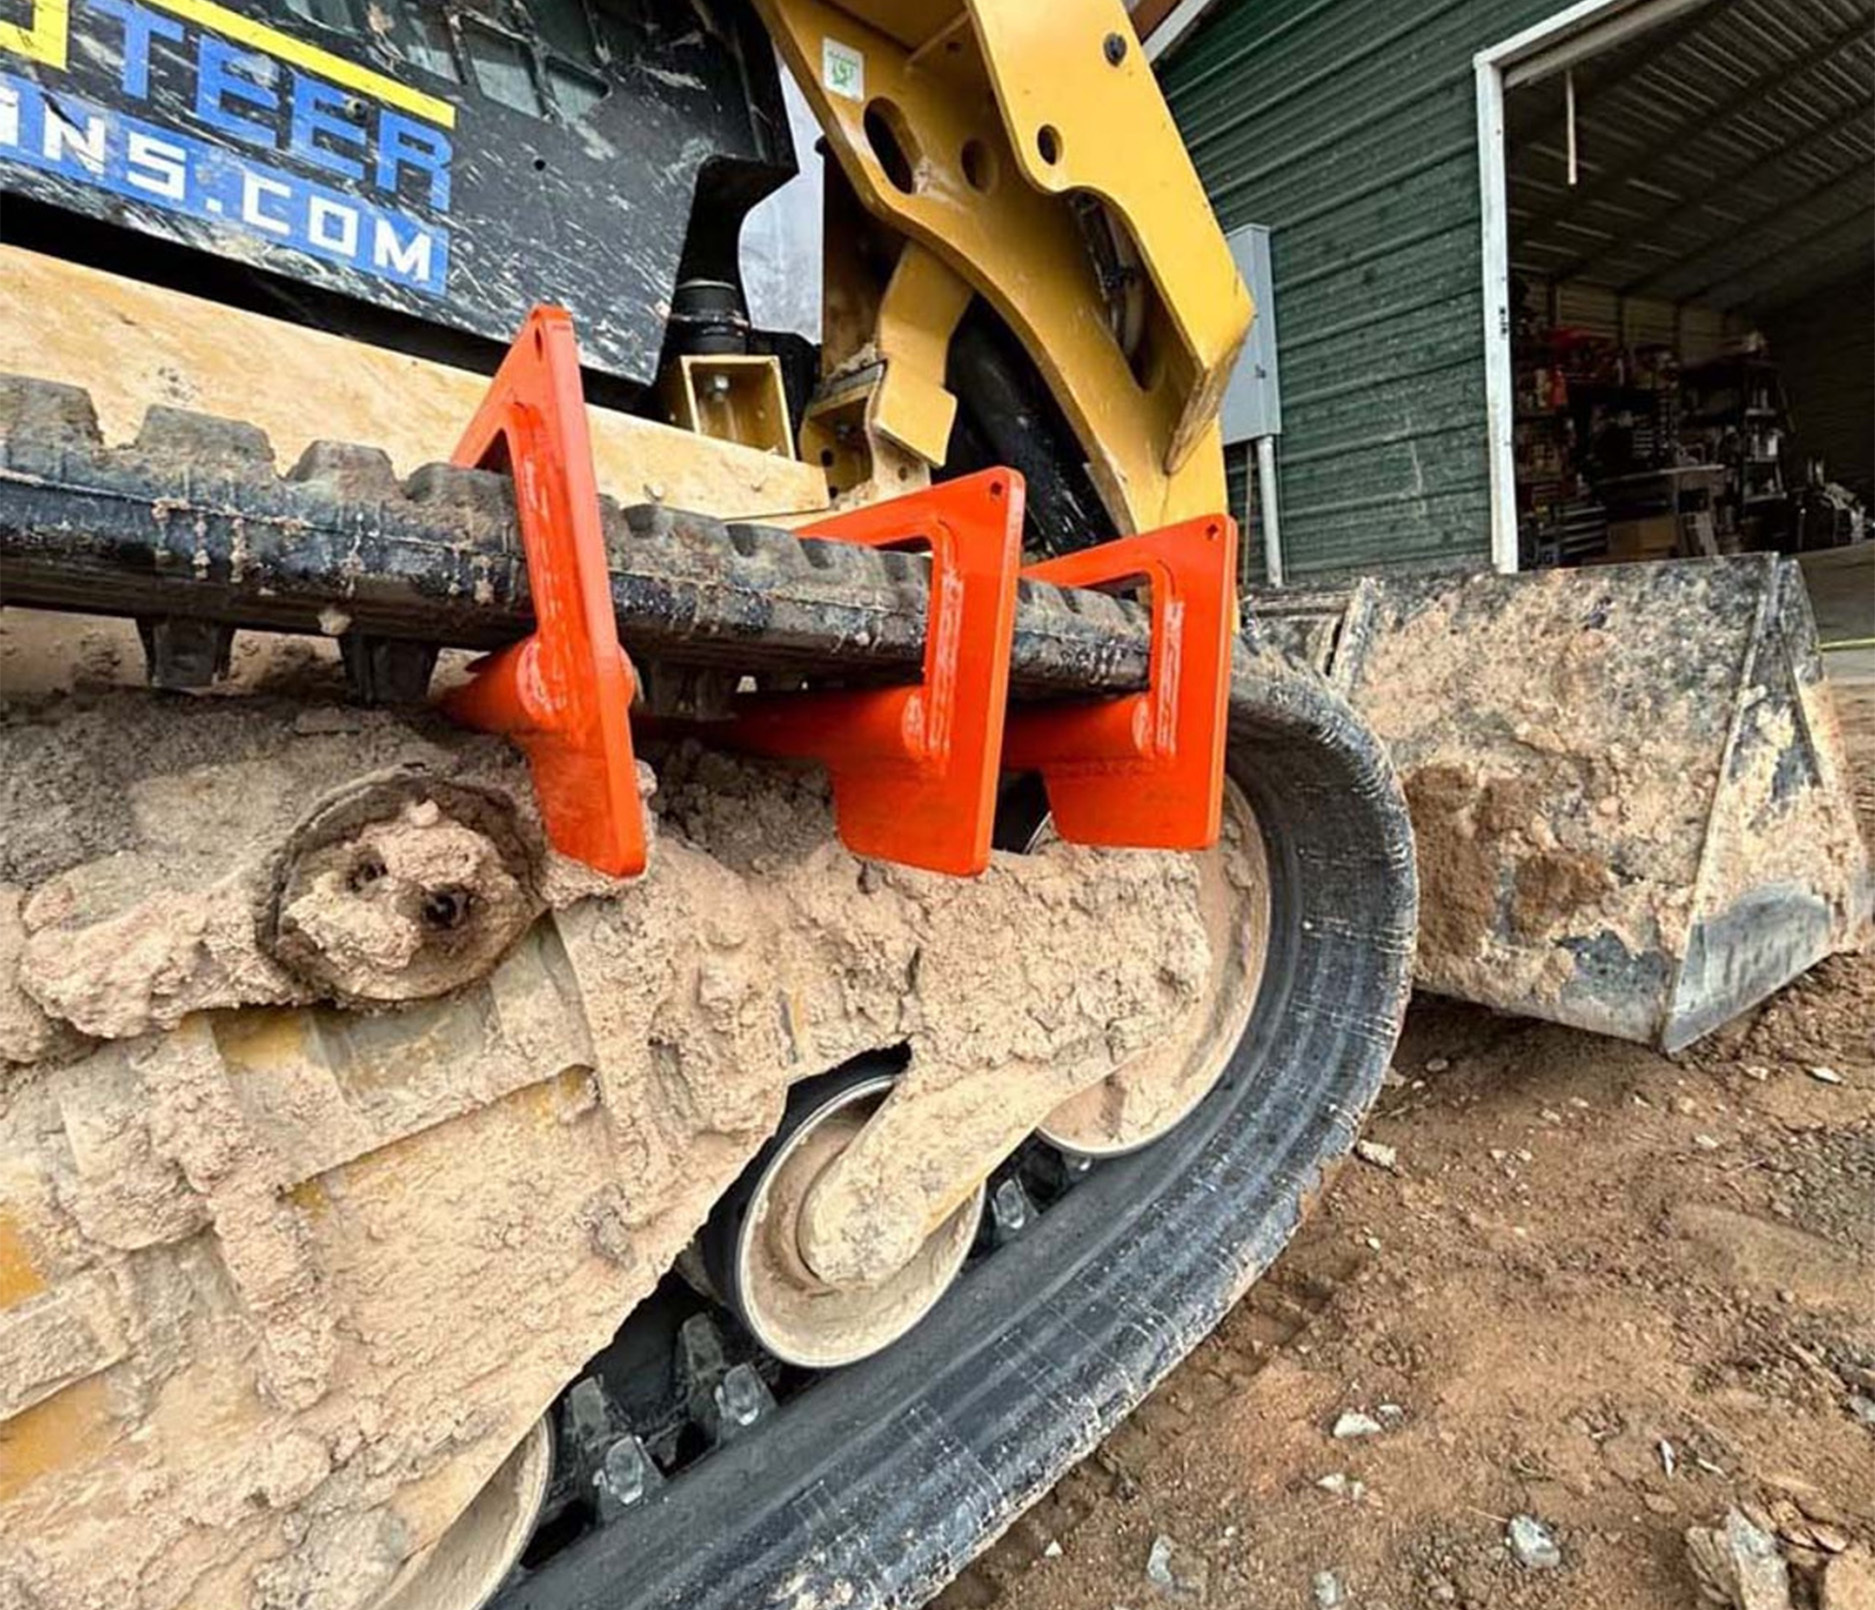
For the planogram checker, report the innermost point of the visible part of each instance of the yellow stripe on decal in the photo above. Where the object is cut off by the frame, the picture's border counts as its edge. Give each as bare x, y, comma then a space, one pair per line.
46, 39
257, 35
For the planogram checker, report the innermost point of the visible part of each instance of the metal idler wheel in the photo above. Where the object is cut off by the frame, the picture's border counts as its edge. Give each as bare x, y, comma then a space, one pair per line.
752, 1245
463, 1568
400, 889
1156, 1091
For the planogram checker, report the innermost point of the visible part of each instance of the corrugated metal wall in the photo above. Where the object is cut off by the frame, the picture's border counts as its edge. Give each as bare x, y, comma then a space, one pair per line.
1350, 128
1696, 333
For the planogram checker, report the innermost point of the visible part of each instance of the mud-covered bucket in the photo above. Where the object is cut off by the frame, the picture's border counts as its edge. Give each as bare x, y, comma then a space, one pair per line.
1627, 783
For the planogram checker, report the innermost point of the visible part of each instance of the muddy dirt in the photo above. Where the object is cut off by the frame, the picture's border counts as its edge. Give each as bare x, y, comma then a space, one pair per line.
1613, 1291
223, 1206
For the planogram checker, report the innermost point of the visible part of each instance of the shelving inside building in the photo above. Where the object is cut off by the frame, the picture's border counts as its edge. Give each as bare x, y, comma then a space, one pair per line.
1692, 241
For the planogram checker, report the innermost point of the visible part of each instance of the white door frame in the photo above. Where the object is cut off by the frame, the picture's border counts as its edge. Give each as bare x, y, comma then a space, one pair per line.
1572, 35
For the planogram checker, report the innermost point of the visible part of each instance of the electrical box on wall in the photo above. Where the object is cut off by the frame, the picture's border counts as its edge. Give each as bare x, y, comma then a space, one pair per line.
1253, 402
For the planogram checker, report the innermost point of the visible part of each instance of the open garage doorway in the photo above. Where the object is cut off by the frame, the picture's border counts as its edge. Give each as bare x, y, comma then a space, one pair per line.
1680, 280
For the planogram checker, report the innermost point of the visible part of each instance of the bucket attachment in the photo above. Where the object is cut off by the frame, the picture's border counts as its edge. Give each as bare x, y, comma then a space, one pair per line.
1627, 783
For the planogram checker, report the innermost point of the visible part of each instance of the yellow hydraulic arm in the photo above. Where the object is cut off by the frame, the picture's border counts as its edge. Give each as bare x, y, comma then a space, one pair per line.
1025, 154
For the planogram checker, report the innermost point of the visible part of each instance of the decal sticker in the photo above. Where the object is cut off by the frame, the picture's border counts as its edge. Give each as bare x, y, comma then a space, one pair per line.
843, 69
200, 111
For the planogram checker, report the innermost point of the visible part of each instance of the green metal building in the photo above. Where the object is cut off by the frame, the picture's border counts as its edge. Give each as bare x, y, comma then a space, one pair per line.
1353, 130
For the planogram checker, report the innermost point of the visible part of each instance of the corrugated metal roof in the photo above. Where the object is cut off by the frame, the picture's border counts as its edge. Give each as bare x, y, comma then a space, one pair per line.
1727, 160
1349, 128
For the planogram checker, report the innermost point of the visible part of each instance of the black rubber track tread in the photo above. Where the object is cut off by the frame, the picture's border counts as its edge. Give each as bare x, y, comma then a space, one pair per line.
192, 519
874, 1488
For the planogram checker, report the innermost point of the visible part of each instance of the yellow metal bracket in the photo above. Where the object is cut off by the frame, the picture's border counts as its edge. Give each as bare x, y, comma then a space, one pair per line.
922, 305
1083, 112
935, 110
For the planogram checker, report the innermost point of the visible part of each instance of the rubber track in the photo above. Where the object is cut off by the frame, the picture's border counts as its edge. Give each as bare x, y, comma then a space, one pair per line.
192, 520
872, 1489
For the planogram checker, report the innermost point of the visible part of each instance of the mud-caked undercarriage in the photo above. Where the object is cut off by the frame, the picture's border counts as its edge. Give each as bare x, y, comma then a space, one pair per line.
347, 1122
685, 1007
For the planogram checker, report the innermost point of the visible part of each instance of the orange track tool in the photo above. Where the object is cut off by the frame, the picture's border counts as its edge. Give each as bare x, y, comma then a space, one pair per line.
1145, 770
914, 769
564, 694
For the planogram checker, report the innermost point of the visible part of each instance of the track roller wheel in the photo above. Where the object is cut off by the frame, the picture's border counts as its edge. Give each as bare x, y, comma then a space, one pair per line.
466, 1566
752, 1251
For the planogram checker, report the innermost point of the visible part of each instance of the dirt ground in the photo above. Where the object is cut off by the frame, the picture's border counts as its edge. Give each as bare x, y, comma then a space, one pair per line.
1613, 1291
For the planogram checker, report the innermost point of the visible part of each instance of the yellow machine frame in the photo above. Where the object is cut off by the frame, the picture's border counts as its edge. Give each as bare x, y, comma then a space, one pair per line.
983, 139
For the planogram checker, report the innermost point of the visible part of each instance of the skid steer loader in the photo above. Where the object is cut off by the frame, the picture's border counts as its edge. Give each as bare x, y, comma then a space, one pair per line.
653, 953
642, 961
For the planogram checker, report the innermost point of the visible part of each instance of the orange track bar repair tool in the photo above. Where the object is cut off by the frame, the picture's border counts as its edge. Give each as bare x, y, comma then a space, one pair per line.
915, 769
564, 694
1145, 770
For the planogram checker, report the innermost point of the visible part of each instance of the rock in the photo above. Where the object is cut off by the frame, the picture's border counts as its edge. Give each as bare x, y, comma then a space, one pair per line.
1389, 1414
1807, 1496
1863, 1408
1532, 1544
1738, 1565
1825, 1076
1848, 1582
1353, 1423
1707, 1143
325, 720
1343, 1486
1381, 1156
1438, 1064
1052, 1550
1787, 1519
1176, 1572
1326, 1587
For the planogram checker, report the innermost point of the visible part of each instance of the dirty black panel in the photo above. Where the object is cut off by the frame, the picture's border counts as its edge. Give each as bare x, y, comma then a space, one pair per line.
453, 162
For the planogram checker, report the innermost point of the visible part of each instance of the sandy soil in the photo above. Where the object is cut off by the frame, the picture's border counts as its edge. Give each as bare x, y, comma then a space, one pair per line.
1589, 1263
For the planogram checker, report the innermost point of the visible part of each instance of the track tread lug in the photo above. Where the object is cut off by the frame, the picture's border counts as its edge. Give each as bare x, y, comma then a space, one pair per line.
204, 442
1102, 607
48, 411
483, 494
346, 470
